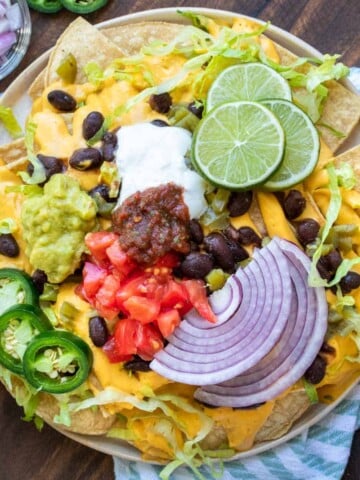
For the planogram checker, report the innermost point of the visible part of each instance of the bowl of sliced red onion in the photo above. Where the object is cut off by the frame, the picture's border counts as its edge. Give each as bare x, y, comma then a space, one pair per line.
15, 33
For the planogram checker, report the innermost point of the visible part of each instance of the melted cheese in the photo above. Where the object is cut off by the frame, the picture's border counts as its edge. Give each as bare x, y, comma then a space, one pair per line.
274, 217
340, 373
241, 426
11, 208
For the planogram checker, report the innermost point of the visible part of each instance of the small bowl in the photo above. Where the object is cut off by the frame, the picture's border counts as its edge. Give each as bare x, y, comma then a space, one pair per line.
16, 53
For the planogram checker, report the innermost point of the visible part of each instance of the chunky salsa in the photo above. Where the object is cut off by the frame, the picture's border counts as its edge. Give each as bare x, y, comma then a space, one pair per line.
153, 222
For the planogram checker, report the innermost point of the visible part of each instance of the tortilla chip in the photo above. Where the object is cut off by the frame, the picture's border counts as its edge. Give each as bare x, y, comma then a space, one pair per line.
341, 112
87, 44
352, 157
37, 86
341, 109
286, 411
130, 38
88, 421
13, 153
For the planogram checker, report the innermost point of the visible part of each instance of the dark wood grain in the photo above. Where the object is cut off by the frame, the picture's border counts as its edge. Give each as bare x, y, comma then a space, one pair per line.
330, 26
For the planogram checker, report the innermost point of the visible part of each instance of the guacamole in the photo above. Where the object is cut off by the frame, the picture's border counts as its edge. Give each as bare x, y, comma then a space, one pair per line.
55, 223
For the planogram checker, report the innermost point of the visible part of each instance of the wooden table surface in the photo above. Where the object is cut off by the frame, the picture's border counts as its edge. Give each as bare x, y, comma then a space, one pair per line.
329, 25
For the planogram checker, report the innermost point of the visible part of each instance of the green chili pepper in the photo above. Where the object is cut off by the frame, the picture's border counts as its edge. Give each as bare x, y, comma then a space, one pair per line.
16, 287
57, 361
18, 326
45, 6
67, 69
83, 6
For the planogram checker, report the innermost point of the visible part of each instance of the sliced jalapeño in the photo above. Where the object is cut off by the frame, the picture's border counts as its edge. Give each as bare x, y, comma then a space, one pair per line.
18, 326
57, 362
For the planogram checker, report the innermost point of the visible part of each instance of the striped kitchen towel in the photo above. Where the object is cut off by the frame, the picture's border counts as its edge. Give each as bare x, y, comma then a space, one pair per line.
319, 453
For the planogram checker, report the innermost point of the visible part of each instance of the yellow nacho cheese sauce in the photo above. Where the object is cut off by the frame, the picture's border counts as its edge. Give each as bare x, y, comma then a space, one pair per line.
59, 135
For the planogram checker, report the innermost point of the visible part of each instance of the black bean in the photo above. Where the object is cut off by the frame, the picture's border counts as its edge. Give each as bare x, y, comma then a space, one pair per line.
161, 103
8, 245
328, 264
216, 244
92, 124
62, 101
159, 123
52, 165
109, 145
39, 278
326, 348
196, 231
248, 236
98, 331
239, 203
103, 190
231, 232
194, 247
196, 109
197, 265
316, 372
349, 282
294, 204
239, 253
86, 159
307, 230
137, 364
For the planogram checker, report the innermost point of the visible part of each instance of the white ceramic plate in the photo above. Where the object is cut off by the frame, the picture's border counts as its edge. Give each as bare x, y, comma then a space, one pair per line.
15, 97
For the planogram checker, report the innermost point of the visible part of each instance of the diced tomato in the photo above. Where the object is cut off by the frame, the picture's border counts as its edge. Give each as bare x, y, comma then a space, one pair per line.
134, 286
168, 321
143, 309
112, 353
119, 259
175, 296
105, 299
197, 294
169, 260
132, 336
98, 242
94, 277
149, 341
126, 336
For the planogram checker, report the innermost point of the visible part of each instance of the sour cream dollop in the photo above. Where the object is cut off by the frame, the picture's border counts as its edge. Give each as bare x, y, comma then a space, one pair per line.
149, 156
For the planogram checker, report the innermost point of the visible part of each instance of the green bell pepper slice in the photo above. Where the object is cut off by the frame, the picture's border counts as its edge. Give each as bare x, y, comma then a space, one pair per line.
83, 6
16, 287
57, 362
18, 326
45, 6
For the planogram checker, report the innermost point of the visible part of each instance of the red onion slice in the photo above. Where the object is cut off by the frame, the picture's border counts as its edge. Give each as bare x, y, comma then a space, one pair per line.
283, 366
265, 316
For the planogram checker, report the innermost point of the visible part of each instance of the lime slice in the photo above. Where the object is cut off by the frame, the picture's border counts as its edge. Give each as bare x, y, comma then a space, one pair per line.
238, 145
248, 81
301, 145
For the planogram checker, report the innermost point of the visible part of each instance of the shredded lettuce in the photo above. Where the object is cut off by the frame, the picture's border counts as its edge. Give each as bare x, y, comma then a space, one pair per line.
38, 175
7, 225
94, 73
191, 455
8, 119
337, 177
311, 392
63, 417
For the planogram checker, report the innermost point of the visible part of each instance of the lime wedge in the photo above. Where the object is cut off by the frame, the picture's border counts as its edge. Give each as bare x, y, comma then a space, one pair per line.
238, 145
301, 145
248, 81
